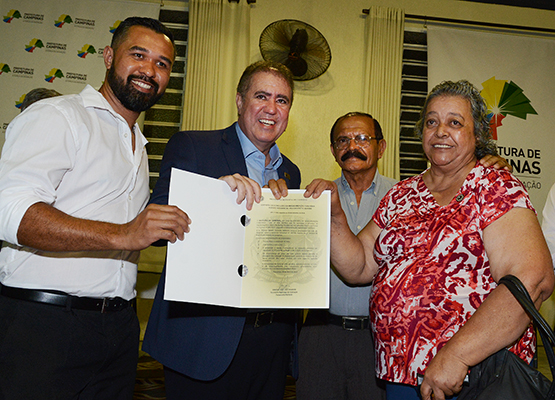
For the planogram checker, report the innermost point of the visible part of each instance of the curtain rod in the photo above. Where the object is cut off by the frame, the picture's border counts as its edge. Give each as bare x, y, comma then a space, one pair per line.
478, 23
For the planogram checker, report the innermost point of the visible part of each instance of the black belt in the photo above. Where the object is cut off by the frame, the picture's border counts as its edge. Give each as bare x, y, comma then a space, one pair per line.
65, 300
349, 323
259, 319
323, 317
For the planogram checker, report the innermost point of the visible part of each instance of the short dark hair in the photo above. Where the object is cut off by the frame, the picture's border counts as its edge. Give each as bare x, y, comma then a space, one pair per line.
482, 130
264, 66
123, 29
36, 95
377, 128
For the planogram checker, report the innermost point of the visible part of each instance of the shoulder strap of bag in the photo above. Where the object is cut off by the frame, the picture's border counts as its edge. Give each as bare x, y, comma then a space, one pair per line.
519, 291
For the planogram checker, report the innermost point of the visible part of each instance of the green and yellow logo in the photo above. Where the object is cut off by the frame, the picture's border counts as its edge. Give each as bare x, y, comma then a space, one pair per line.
11, 15
116, 24
54, 73
4, 68
87, 49
504, 98
33, 44
64, 18
20, 101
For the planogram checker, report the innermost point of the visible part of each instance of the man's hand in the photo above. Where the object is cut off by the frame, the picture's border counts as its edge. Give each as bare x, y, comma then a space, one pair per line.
279, 188
155, 222
46, 228
315, 189
245, 187
496, 162
444, 376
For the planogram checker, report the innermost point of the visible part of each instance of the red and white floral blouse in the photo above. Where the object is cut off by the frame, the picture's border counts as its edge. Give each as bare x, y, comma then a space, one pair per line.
433, 270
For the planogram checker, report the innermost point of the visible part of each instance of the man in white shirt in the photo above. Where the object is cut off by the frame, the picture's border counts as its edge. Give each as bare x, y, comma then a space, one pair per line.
73, 187
548, 223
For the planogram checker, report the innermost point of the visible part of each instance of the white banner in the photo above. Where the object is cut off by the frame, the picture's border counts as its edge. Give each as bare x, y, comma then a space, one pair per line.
515, 76
56, 44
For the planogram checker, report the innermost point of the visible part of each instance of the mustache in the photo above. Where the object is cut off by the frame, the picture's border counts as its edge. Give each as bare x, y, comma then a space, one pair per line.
353, 153
145, 78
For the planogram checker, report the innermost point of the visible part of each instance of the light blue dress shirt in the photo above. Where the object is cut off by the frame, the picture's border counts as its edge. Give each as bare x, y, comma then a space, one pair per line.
256, 160
346, 300
256, 166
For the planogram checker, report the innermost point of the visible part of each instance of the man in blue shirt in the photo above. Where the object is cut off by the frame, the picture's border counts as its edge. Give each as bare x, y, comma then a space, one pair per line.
336, 350
211, 352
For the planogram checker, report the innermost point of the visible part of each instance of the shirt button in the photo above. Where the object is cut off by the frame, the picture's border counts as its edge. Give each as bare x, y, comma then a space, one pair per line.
352, 203
358, 227
129, 197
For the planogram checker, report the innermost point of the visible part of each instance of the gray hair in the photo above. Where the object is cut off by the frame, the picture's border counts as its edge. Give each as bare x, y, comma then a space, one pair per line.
482, 130
271, 67
36, 95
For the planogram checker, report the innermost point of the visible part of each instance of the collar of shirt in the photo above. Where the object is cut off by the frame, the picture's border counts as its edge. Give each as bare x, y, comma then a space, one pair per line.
256, 160
358, 215
370, 190
91, 98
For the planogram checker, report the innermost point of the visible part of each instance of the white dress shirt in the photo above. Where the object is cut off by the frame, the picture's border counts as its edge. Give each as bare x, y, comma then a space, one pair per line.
75, 153
548, 222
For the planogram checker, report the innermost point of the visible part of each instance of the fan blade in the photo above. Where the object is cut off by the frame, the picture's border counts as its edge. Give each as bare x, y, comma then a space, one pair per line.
296, 65
297, 45
298, 41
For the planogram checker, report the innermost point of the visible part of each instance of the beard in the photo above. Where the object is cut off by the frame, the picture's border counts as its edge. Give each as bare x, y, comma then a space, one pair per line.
131, 98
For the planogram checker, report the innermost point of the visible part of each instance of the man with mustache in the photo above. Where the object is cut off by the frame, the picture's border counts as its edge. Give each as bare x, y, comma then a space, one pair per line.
336, 351
73, 186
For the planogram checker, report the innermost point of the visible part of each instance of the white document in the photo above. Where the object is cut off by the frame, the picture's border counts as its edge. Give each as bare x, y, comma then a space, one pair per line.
274, 256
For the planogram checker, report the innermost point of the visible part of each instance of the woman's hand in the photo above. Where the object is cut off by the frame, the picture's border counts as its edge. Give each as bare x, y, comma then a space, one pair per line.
500, 320
444, 376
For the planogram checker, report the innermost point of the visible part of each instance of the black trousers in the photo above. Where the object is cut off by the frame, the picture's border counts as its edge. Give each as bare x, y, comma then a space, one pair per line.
257, 372
50, 352
336, 364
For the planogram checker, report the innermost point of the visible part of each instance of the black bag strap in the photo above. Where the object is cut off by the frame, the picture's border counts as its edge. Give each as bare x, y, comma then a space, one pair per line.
547, 335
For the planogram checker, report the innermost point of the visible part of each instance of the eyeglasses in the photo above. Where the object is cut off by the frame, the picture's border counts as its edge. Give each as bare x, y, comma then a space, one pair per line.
342, 142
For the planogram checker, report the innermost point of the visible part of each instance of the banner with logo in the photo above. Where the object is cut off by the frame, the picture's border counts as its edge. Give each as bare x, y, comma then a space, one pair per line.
515, 76
56, 44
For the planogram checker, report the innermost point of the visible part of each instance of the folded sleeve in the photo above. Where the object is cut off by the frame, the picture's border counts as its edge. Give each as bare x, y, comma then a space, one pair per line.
40, 147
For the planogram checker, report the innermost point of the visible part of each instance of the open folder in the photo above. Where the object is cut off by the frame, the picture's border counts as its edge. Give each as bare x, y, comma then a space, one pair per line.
274, 256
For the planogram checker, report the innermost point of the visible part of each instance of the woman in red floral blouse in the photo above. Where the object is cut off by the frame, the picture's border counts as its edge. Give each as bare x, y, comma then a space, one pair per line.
435, 249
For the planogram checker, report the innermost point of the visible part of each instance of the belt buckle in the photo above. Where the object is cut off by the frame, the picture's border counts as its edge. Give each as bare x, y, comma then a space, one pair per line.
352, 319
256, 320
104, 305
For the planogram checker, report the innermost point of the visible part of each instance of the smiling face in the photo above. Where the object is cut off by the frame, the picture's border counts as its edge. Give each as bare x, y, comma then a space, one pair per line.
355, 158
448, 133
264, 111
139, 68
